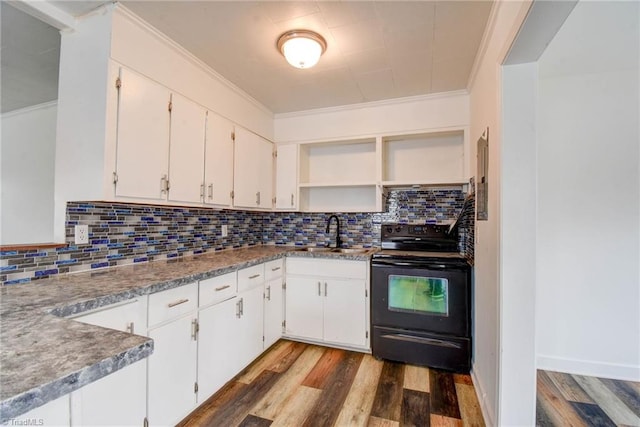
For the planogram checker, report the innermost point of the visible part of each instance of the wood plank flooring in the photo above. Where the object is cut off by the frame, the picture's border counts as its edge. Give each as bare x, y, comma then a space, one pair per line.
575, 400
295, 384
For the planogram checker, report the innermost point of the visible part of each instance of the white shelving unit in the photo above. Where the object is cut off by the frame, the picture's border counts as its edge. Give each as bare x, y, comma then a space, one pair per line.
351, 175
340, 176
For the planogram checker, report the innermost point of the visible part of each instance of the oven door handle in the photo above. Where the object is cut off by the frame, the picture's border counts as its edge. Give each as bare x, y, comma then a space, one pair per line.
421, 264
421, 340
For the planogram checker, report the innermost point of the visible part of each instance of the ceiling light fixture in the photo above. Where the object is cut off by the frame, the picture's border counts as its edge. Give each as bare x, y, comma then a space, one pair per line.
302, 48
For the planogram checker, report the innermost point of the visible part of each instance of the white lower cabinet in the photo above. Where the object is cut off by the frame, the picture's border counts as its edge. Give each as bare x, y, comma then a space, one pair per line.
327, 300
249, 338
171, 391
273, 301
118, 399
54, 413
217, 349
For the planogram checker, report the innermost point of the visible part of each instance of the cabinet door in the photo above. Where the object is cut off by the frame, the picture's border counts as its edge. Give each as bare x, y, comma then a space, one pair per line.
273, 311
142, 137
218, 161
265, 174
128, 316
287, 177
303, 307
218, 347
54, 413
250, 331
172, 372
119, 399
345, 311
186, 150
252, 171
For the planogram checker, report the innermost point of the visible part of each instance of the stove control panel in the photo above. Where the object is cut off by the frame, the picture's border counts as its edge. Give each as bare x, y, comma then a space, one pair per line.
414, 230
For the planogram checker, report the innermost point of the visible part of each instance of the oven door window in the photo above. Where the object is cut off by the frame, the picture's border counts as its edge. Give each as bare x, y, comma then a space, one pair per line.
421, 295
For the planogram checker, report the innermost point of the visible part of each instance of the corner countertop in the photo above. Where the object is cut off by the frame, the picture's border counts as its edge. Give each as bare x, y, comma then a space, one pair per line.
44, 356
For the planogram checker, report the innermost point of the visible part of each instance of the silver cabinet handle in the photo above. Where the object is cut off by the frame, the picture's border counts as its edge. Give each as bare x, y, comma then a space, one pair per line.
173, 304
222, 288
258, 198
268, 293
238, 312
319, 292
254, 276
291, 199
195, 327
325, 289
210, 191
130, 327
276, 268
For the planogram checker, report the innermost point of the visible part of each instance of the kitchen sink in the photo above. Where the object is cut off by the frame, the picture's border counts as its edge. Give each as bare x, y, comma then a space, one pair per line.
316, 249
334, 250
350, 250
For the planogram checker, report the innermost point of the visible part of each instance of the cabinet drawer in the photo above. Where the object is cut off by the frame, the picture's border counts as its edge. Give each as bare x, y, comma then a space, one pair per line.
250, 277
273, 269
327, 268
127, 316
218, 289
172, 303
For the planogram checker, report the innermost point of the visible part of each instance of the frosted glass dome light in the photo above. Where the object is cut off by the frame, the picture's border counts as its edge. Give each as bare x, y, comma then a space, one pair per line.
302, 48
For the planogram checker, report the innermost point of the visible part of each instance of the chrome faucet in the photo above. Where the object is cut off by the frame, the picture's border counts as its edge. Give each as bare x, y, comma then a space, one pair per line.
338, 240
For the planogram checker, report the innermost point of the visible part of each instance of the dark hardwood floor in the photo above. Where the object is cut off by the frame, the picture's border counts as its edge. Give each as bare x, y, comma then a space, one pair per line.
575, 400
295, 384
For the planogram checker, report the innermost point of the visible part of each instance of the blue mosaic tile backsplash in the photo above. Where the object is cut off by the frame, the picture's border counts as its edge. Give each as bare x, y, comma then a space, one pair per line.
129, 233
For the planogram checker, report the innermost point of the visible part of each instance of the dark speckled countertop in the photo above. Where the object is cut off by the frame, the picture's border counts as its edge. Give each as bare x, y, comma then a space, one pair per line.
44, 356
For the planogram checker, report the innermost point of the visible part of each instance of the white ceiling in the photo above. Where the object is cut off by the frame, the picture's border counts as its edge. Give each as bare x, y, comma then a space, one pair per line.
376, 50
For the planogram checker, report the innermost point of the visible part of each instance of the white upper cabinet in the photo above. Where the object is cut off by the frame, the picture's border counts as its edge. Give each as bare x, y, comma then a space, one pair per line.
253, 171
142, 137
218, 172
186, 150
287, 177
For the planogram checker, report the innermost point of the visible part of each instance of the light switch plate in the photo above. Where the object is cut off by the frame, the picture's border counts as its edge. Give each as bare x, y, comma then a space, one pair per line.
224, 230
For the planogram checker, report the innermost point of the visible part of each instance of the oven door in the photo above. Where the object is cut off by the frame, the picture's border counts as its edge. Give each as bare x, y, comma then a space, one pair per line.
420, 295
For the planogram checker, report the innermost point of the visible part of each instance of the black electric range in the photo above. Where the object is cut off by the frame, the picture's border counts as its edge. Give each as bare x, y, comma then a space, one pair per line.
421, 297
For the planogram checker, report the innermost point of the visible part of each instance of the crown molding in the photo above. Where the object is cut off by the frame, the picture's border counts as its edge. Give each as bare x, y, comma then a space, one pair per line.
373, 104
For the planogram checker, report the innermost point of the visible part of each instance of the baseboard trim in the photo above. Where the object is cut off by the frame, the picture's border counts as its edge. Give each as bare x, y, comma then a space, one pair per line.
487, 411
589, 368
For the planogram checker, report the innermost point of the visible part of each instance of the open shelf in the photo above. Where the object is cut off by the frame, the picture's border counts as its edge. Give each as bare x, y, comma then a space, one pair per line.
338, 163
436, 158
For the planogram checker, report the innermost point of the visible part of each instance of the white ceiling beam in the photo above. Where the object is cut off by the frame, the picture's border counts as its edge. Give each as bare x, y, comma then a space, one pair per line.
540, 27
46, 12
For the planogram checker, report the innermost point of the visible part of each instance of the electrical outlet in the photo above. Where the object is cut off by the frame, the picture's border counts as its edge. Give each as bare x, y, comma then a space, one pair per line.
224, 230
81, 234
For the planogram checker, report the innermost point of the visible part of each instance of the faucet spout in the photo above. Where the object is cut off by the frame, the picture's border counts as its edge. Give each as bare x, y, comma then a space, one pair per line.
338, 239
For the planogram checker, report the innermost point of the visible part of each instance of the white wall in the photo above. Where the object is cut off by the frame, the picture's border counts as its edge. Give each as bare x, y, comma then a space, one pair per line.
439, 111
26, 175
485, 106
588, 291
